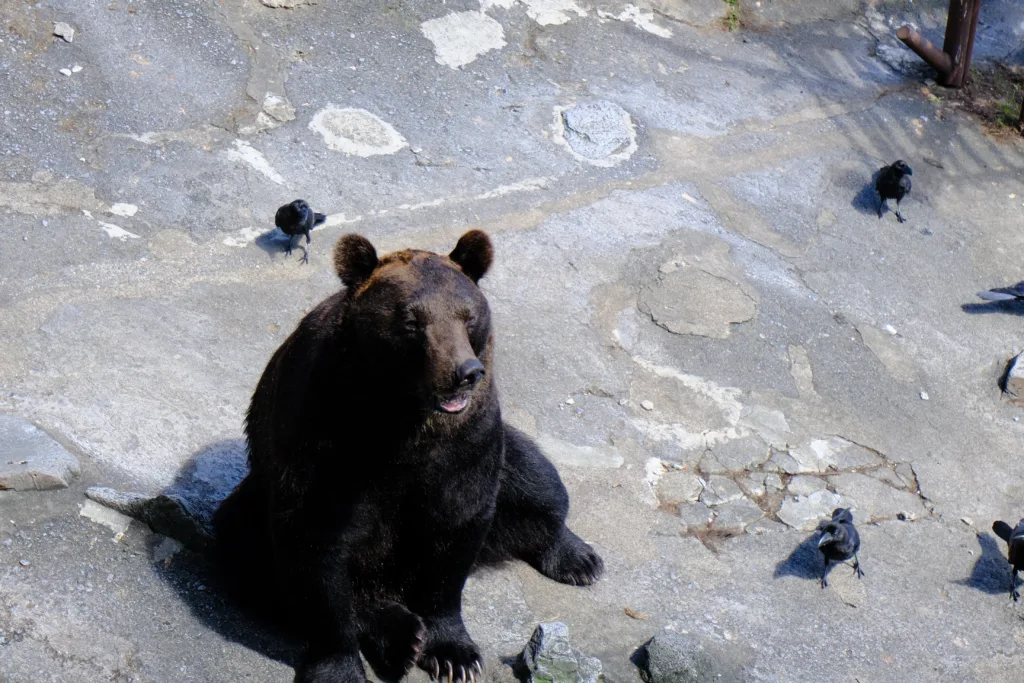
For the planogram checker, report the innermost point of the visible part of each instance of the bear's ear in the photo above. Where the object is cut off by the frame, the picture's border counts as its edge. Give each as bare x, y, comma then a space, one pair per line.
474, 254
354, 260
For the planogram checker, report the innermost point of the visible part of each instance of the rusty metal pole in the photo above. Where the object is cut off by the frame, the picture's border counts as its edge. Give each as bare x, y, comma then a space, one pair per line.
953, 61
961, 24
936, 58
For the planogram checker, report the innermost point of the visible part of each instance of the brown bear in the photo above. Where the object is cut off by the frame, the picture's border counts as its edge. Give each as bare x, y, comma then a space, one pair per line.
381, 473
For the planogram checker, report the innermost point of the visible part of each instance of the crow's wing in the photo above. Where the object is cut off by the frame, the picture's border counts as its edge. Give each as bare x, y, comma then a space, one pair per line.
319, 218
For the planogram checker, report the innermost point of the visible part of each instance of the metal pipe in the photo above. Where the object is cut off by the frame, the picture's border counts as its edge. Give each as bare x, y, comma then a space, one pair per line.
935, 57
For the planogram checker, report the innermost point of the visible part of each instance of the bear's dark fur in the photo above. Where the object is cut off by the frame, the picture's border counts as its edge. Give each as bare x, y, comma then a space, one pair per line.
381, 472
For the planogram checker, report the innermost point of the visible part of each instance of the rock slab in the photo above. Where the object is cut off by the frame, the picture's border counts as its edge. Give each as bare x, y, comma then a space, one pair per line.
549, 657
687, 658
30, 460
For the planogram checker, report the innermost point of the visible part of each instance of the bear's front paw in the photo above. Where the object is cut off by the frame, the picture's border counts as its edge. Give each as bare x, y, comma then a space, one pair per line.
571, 561
452, 660
392, 639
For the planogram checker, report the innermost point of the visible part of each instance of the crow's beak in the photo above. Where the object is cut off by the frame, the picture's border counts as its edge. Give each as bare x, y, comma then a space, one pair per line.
910, 171
825, 538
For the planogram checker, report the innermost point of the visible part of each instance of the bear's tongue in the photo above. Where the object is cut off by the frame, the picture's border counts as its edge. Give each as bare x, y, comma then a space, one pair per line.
454, 404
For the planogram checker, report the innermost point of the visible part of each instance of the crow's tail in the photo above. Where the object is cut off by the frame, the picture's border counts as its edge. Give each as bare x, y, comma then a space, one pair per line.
1002, 530
319, 218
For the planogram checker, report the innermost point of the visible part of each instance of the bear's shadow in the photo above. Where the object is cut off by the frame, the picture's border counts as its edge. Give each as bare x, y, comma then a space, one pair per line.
205, 480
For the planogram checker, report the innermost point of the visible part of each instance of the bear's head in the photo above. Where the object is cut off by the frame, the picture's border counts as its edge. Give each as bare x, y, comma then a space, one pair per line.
417, 320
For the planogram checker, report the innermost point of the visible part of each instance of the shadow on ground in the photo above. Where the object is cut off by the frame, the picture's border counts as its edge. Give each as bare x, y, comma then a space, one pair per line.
866, 201
991, 572
804, 562
200, 486
1012, 307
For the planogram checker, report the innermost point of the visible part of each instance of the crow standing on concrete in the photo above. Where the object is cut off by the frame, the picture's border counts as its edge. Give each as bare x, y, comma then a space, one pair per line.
298, 219
893, 183
1004, 294
839, 541
1015, 541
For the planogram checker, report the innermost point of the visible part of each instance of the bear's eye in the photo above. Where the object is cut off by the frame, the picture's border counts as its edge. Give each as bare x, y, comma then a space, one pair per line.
411, 324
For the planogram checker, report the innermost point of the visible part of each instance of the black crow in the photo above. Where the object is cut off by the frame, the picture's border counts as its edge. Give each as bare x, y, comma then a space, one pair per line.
839, 542
1015, 541
1004, 293
893, 183
298, 219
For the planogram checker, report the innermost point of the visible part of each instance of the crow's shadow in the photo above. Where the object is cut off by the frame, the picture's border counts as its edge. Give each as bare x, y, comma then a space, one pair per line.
199, 487
805, 562
991, 572
275, 243
1009, 307
867, 199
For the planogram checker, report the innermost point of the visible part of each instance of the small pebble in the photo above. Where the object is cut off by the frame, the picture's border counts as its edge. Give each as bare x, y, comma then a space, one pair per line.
76, 68
967, 520
890, 329
66, 72
623, 401
647, 405
924, 395
570, 401
24, 563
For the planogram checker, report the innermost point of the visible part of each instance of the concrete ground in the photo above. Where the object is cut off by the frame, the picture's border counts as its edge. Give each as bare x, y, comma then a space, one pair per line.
698, 312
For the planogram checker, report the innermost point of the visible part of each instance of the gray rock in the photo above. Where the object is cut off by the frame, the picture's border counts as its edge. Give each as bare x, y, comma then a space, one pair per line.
772, 481
875, 499
709, 464
64, 30
695, 516
742, 454
30, 460
804, 512
1015, 379
597, 130
803, 485
564, 453
733, 518
899, 58
677, 486
886, 476
720, 490
753, 484
688, 658
549, 657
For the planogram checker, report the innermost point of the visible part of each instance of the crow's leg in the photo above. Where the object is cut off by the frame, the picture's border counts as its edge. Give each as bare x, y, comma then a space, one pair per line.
824, 573
288, 249
305, 256
1013, 586
899, 216
881, 205
856, 567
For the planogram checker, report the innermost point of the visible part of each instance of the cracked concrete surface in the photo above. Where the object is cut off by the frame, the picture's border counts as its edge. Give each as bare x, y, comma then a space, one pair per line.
715, 338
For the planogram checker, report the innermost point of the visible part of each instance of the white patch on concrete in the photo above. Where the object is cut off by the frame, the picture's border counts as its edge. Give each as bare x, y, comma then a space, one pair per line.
528, 185
246, 153
564, 453
338, 219
356, 131
635, 15
544, 12
420, 205
117, 232
126, 210
243, 237
552, 12
461, 37
654, 470
111, 519
724, 397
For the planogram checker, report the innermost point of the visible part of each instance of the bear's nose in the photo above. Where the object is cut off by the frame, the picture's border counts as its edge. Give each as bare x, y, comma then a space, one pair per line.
470, 372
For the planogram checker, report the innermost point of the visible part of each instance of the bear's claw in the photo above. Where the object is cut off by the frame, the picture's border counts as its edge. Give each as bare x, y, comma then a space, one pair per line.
571, 561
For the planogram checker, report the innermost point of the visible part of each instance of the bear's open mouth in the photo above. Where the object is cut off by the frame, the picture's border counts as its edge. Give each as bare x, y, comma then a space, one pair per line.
453, 404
